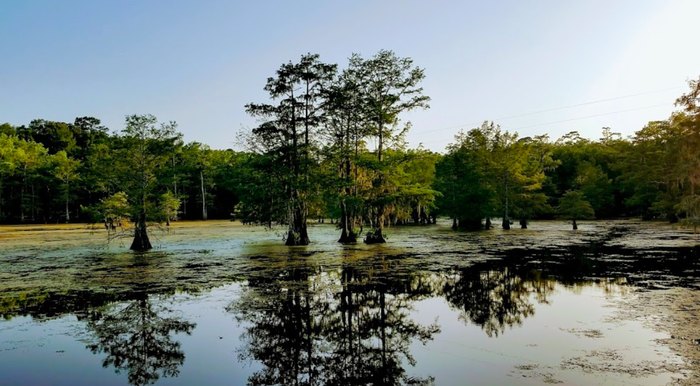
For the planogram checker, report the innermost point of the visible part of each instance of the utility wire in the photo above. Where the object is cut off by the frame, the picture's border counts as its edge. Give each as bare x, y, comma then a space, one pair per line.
595, 115
591, 102
554, 109
572, 119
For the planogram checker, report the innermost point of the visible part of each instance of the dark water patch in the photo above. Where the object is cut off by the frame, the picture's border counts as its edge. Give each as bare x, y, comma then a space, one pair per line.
423, 308
202, 265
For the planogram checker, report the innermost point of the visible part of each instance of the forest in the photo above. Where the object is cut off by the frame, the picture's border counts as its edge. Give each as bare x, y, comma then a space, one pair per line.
330, 145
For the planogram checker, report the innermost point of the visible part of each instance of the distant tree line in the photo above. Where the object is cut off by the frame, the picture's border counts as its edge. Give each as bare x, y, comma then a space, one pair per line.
330, 144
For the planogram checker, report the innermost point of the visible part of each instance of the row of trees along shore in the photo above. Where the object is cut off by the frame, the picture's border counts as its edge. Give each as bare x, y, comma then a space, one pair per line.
330, 144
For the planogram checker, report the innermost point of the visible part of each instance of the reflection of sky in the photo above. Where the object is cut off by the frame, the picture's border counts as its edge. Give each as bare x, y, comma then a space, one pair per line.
200, 64
463, 354
73, 264
49, 352
460, 353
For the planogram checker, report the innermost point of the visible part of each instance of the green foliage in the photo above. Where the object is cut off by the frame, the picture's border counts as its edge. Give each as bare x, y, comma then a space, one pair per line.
574, 206
261, 196
490, 173
66, 170
168, 206
467, 195
388, 86
331, 144
146, 151
115, 209
7, 129
286, 136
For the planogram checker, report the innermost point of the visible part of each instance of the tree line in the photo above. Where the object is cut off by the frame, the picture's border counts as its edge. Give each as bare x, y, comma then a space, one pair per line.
329, 143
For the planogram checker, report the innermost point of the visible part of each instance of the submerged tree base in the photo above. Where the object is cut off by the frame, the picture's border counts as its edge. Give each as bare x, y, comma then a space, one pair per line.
505, 224
375, 237
297, 238
141, 242
469, 224
348, 238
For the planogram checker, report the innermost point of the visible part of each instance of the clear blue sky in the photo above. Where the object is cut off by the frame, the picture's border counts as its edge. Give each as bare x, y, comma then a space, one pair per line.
200, 62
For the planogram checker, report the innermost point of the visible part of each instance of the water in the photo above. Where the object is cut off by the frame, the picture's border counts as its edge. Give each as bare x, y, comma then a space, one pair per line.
220, 303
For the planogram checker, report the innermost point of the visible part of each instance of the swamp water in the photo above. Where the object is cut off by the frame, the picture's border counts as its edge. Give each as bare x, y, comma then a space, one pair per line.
219, 303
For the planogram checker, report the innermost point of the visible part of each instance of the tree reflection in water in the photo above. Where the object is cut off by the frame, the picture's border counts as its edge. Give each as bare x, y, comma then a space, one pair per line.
345, 326
136, 337
497, 298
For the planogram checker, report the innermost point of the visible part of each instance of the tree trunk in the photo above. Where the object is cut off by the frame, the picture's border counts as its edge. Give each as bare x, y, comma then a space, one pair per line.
523, 223
575, 226
506, 219
297, 234
487, 224
347, 234
67, 195
174, 177
376, 236
347, 217
141, 242
21, 195
204, 196
33, 206
505, 223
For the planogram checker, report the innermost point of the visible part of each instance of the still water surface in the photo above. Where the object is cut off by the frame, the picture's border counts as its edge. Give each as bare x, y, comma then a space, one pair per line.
227, 304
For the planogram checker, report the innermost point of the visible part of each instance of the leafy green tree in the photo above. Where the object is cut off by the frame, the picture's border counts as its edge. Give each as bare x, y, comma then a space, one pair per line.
54, 136
30, 158
285, 135
461, 176
645, 170
226, 175
574, 206
169, 205
413, 174
596, 185
88, 131
688, 167
7, 129
195, 175
115, 209
346, 129
389, 86
66, 170
515, 171
503, 176
529, 199
147, 149
8, 163
262, 197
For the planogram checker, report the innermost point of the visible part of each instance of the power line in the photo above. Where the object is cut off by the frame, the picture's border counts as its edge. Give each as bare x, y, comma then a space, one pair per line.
576, 119
591, 102
595, 115
597, 101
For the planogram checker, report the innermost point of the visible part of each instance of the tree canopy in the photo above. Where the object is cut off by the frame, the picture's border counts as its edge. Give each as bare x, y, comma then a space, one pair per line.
329, 145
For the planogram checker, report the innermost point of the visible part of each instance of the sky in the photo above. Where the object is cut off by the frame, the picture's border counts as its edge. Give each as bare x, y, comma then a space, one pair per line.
535, 67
